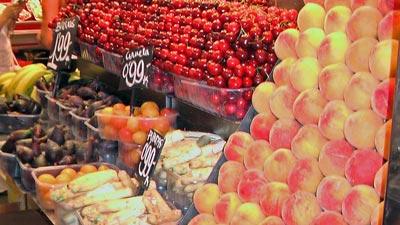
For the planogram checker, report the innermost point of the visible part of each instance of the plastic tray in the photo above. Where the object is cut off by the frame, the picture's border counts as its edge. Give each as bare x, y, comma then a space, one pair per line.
88, 52
109, 132
9, 164
42, 97
160, 81
13, 122
52, 109
105, 150
64, 116
79, 129
26, 177
42, 189
112, 62
231, 104
129, 156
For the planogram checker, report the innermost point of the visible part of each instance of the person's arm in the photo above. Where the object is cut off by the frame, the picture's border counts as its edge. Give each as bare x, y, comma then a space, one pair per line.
10, 13
50, 10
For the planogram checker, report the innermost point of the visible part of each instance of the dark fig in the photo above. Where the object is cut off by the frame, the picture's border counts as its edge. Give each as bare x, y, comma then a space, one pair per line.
57, 135
53, 152
102, 95
75, 100
38, 132
69, 147
67, 160
111, 100
20, 134
40, 161
9, 146
3, 108
86, 93
24, 153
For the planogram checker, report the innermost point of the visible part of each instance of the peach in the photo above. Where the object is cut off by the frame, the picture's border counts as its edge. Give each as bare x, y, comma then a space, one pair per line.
360, 128
237, 145
248, 214
261, 126
278, 165
285, 44
382, 98
282, 71
336, 19
308, 106
383, 59
329, 218
331, 192
281, 101
308, 142
363, 23
357, 55
333, 157
385, 6
250, 187
358, 3
333, 79
260, 99
205, 198
380, 180
309, 41
229, 176
311, 15
382, 139
304, 74
358, 91
305, 176
329, 4
359, 204
282, 133
203, 219
272, 220
333, 49
274, 195
226, 207
362, 167
387, 29
256, 154
300, 209
332, 119
377, 214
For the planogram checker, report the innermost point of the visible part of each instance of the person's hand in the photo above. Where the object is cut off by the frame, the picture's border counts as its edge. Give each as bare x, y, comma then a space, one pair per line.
12, 11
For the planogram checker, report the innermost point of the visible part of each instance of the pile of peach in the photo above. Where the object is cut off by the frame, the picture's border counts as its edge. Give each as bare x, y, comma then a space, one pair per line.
316, 151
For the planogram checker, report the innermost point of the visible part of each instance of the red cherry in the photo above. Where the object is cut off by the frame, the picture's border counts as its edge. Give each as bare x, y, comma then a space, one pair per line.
267, 37
232, 62
220, 81
240, 114
247, 95
230, 109
214, 69
227, 73
215, 99
242, 103
207, 27
261, 56
239, 70
235, 82
250, 70
247, 82
258, 79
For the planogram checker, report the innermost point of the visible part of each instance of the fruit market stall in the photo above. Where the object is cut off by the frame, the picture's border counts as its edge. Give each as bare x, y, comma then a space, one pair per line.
248, 113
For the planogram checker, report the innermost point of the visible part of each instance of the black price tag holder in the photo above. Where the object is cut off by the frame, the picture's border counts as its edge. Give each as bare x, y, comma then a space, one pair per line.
135, 70
63, 55
151, 153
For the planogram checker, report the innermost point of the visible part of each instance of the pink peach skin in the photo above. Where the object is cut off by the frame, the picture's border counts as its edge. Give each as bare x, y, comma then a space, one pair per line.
274, 195
300, 209
331, 192
283, 132
257, 153
333, 157
237, 145
329, 218
362, 167
305, 176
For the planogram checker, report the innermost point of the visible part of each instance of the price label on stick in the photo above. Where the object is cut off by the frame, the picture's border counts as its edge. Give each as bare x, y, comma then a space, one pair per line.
151, 152
135, 67
64, 40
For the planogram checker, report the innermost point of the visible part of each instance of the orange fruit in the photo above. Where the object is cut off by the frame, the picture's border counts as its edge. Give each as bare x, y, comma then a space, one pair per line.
150, 109
63, 178
146, 124
88, 169
119, 109
103, 167
79, 174
105, 116
162, 125
136, 111
47, 179
139, 137
70, 172
133, 124
110, 132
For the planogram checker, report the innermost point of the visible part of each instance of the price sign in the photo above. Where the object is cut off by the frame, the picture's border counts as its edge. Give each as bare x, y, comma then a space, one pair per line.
151, 152
64, 40
135, 67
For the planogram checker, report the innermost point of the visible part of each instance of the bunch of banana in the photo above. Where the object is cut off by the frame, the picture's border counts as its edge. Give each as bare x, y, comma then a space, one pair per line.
23, 81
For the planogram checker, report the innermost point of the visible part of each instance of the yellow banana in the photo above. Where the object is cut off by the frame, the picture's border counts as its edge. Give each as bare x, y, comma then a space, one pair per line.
7, 76
4, 85
26, 84
25, 71
35, 95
